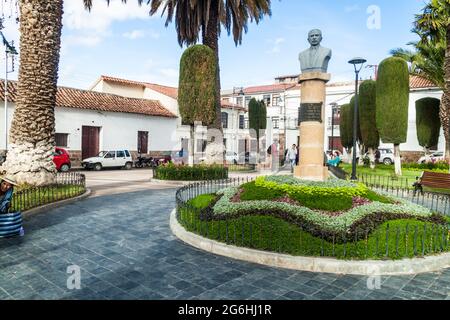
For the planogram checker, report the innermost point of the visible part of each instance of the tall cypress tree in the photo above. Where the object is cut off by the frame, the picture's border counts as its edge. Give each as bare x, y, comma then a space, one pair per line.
367, 118
392, 102
257, 116
345, 127
428, 122
197, 86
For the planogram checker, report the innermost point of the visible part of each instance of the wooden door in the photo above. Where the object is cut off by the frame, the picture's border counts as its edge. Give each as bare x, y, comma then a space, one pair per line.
90, 141
143, 142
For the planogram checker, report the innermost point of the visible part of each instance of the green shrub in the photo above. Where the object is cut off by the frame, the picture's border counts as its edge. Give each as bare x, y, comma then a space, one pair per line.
367, 114
252, 192
440, 166
330, 188
345, 126
188, 173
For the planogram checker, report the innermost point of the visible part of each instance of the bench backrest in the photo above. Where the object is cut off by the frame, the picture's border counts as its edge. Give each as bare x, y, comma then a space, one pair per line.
436, 180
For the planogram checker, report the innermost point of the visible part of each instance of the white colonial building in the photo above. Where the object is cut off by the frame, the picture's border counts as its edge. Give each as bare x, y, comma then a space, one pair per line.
283, 101
87, 122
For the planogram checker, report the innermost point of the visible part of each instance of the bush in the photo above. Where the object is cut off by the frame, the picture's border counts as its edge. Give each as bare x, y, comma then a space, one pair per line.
440, 166
188, 173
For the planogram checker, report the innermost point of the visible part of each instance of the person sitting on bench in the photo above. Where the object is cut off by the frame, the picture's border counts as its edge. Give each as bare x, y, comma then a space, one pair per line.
418, 186
6, 191
335, 161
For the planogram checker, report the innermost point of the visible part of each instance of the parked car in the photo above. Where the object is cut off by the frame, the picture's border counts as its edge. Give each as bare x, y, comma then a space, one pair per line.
231, 157
61, 159
433, 157
385, 156
109, 159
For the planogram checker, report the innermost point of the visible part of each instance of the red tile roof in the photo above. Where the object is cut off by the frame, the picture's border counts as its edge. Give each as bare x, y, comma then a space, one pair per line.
269, 88
92, 100
228, 105
165, 90
171, 92
417, 82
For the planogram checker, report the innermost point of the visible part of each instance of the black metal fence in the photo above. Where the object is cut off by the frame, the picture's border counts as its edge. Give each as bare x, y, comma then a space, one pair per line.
393, 241
67, 185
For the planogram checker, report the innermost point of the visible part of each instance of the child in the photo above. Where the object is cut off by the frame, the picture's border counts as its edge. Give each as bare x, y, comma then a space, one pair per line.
418, 186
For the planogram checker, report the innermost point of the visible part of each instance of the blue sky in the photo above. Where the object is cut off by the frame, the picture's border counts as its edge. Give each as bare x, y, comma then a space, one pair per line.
124, 41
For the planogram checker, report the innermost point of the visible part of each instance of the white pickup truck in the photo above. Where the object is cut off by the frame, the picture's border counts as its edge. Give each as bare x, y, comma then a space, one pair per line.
109, 159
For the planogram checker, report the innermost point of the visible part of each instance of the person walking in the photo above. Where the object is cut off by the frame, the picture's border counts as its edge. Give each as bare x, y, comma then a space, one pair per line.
292, 155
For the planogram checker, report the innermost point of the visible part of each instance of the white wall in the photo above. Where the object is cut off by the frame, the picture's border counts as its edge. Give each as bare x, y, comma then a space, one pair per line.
118, 130
2, 121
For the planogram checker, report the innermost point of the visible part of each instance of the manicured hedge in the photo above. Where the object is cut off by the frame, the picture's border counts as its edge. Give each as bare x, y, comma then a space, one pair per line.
354, 222
188, 173
441, 166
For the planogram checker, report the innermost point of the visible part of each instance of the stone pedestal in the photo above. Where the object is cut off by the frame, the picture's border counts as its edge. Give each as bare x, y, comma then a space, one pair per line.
312, 127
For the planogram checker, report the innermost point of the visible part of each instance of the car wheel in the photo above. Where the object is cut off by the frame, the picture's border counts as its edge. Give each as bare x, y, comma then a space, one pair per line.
64, 168
98, 167
387, 161
128, 166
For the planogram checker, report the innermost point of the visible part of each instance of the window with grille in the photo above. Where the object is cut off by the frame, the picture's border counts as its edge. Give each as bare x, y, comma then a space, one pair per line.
241, 122
61, 139
224, 120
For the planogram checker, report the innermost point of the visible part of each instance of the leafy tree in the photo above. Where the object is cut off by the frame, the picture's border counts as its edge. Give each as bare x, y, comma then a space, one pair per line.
367, 118
392, 100
428, 122
358, 128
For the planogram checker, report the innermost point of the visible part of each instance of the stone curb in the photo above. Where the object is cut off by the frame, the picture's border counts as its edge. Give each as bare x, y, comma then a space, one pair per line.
27, 214
312, 264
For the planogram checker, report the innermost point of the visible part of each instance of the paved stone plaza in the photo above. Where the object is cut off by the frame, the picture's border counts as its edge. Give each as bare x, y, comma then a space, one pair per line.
125, 250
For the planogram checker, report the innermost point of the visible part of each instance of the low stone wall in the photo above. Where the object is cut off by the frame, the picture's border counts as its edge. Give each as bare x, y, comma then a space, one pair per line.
411, 156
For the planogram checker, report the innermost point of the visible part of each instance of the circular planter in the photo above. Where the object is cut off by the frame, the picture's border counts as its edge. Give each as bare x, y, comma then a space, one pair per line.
312, 264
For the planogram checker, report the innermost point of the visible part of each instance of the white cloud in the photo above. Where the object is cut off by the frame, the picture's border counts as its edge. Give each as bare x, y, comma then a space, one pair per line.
76, 17
138, 34
352, 8
276, 45
86, 41
135, 34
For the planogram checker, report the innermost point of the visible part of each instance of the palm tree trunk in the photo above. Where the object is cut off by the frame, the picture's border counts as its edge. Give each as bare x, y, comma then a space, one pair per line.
33, 126
210, 34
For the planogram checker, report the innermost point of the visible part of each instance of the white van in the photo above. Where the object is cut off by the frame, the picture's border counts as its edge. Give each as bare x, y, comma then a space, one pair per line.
109, 159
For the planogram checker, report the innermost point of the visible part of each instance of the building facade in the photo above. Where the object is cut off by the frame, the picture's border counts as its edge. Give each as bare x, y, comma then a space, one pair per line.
87, 122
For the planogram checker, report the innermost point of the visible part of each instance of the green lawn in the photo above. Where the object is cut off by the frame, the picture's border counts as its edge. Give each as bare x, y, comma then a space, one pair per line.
29, 198
385, 175
404, 238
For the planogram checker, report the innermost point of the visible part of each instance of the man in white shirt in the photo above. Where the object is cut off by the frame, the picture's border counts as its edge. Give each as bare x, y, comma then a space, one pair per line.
292, 156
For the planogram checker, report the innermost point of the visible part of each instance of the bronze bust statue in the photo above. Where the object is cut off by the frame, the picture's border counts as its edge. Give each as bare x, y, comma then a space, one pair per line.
316, 58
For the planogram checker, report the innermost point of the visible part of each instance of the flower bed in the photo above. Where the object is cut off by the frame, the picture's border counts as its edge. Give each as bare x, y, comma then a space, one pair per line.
190, 173
271, 214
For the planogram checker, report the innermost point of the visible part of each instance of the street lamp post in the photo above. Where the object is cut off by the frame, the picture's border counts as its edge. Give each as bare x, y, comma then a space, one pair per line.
357, 64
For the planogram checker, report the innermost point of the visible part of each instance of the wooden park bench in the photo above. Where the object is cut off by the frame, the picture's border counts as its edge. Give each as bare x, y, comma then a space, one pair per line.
435, 180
